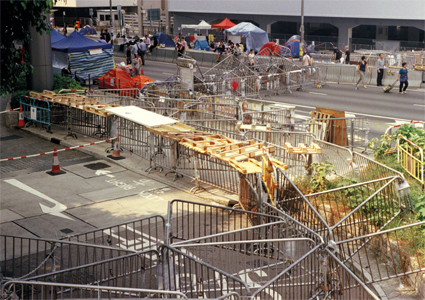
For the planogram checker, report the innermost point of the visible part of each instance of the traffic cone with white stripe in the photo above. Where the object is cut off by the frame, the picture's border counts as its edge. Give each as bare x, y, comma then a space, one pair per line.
21, 122
56, 170
116, 152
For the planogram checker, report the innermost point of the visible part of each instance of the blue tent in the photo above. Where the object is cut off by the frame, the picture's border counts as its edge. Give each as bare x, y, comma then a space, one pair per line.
56, 36
255, 37
201, 45
164, 39
87, 30
294, 47
76, 42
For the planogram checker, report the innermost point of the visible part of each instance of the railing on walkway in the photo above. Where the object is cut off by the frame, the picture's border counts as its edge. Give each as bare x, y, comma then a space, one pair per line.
36, 110
24, 257
49, 290
137, 235
411, 158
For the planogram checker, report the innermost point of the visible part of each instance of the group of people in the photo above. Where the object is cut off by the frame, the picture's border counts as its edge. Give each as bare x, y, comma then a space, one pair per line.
105, 35
230, 48
135, 54
362, 68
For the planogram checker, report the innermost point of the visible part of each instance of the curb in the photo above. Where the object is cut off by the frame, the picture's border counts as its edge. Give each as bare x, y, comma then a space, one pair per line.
227, 203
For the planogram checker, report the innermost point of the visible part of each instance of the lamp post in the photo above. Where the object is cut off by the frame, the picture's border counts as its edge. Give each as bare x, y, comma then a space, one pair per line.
110, 13
302, 27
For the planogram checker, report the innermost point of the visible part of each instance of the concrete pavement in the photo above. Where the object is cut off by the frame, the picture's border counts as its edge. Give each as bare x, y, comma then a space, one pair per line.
95, 193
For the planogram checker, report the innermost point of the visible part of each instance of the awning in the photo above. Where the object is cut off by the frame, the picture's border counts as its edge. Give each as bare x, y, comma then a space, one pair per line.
225, 24
202, 25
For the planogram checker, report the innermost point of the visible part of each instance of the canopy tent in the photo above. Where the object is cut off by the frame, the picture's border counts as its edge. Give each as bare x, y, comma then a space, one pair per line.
202, 25
255, 36
164, 39
76, 42
56, 36
225, 24
87, 30
73, 50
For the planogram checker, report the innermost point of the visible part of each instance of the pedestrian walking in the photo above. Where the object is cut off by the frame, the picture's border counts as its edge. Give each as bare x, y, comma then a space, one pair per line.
128, 55
361, 70
403, 77
347, 56
337, 55
380, 68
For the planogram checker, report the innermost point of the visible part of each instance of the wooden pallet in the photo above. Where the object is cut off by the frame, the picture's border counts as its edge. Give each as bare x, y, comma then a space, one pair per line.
303, 149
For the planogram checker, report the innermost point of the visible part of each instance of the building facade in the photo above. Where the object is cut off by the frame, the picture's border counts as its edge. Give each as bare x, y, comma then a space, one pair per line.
341, 21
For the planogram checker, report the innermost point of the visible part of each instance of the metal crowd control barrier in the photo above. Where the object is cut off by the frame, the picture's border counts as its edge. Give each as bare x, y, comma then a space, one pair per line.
346, 132
131, 271
36, 110
49, 290
23, 257
137, 235
413, 164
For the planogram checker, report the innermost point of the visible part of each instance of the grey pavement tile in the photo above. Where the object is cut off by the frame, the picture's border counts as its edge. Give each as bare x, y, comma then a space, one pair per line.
6, 215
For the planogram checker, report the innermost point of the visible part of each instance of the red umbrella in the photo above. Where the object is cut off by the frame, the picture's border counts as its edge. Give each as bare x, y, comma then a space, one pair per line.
225, 24
235, 85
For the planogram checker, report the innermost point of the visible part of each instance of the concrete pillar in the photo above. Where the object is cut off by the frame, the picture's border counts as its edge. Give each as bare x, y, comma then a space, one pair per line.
140, 17
345, 32
40, 51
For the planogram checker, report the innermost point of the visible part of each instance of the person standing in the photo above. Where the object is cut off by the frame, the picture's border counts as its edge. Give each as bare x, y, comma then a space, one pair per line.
147, 40
347, 56
337, 55
361, 69
380, 67
137, 64
220, 50
65, 31
251, 56
134, 50
127, 29
142, 51
128, 55
107, 36
403, 77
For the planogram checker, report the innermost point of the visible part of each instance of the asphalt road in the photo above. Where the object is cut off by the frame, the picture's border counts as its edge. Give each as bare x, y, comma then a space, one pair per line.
381, 109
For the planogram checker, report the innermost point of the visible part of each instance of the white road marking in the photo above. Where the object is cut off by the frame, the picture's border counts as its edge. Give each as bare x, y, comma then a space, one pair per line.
109, 175
419, 105
55, 210
102, 172
317, 93
168, 74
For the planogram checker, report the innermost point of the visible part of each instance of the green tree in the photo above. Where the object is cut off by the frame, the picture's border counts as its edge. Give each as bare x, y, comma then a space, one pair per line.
16, 19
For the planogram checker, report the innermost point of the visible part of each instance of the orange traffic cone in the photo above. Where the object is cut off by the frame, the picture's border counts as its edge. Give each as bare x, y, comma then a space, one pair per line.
116, 153
21, 122
56, 170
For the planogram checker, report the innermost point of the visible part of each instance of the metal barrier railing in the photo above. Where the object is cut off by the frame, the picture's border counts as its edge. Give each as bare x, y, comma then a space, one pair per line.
414, 165
36, 110
385, 254
23, 257
188, 274
137, 235
131, 271
347, 132
49, 290
190, 220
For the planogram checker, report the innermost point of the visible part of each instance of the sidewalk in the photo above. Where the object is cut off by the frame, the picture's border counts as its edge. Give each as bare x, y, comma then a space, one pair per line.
135, 164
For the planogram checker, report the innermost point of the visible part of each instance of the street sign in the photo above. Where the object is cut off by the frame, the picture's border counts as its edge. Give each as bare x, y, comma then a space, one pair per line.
63, 12
154, 14
91, 11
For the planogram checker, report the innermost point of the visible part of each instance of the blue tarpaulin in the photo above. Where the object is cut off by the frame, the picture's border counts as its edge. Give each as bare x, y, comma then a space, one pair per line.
76, 42
200, 45
294, 47
87, 30
255, 37
56, 36
164, 39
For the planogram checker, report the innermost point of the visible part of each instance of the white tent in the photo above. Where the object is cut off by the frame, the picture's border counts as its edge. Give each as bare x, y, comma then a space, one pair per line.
200, 26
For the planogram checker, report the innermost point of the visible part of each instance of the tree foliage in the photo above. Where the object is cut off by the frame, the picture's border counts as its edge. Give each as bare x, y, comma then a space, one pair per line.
16, 19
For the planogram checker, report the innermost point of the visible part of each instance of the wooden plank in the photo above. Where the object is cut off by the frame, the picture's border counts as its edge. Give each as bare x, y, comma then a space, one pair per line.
337, 128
